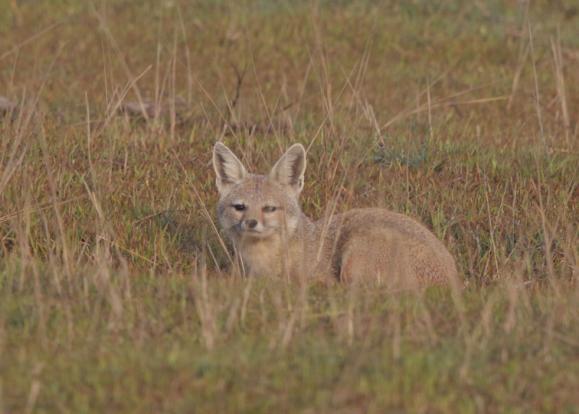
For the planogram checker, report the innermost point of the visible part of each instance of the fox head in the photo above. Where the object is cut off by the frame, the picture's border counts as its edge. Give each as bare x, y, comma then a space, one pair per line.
256, 207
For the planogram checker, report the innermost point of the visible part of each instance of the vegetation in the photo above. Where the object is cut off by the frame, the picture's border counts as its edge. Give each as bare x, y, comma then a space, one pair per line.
114, 287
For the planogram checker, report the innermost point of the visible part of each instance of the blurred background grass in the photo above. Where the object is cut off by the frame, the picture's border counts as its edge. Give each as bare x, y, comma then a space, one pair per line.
114, 294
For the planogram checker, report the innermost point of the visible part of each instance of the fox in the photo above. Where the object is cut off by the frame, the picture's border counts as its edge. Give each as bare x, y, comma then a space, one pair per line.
271, 236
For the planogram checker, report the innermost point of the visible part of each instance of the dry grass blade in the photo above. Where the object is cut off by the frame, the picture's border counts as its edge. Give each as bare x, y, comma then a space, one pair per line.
561, 88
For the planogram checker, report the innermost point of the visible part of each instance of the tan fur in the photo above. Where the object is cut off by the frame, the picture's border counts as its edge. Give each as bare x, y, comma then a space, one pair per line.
371, 245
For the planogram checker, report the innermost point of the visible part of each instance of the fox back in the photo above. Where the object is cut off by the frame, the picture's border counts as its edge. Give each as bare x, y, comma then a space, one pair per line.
261, 216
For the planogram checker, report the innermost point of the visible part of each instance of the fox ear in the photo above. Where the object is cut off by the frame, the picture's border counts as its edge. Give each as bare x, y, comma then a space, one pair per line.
228, 169
290, 168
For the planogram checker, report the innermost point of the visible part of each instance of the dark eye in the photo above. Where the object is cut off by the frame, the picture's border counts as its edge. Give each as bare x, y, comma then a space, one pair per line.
269, 209
239, 207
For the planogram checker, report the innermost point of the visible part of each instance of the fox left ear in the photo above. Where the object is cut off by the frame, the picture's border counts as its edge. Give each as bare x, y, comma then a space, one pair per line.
229, 171
290, 168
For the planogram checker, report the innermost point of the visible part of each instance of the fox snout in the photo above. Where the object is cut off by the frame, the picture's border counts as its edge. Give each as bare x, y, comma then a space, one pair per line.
251, 225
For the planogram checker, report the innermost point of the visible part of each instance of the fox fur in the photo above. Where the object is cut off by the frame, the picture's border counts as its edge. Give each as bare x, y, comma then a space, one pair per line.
261, 216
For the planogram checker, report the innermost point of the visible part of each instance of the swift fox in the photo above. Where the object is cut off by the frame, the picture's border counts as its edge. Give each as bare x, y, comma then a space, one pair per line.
271, 235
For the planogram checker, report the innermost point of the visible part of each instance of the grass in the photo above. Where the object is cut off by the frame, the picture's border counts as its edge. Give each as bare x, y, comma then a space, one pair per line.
114, 289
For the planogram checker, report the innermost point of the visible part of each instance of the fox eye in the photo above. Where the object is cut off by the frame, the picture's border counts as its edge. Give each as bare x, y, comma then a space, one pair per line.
239, 207
269, 209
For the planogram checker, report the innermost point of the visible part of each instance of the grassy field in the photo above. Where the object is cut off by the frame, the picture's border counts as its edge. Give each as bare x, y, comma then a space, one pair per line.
114, 287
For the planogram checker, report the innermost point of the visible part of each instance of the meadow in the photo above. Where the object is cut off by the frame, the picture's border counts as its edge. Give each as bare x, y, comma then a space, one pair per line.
115, 289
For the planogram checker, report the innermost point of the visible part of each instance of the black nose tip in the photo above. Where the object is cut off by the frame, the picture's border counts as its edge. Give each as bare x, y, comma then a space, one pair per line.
251, 223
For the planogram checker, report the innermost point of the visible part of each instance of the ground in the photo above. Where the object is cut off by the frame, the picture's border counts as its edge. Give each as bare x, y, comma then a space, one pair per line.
115, 294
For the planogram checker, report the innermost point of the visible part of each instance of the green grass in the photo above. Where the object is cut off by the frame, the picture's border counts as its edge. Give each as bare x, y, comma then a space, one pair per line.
114, 287
285, 349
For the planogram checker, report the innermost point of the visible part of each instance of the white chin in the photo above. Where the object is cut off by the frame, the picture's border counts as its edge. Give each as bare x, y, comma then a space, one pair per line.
256, 235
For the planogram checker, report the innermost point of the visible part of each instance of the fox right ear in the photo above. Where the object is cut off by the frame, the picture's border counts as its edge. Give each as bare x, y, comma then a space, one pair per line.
290, 168
228, 169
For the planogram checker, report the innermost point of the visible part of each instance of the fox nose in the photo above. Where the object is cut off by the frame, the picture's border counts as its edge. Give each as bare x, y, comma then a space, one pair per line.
251, 224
